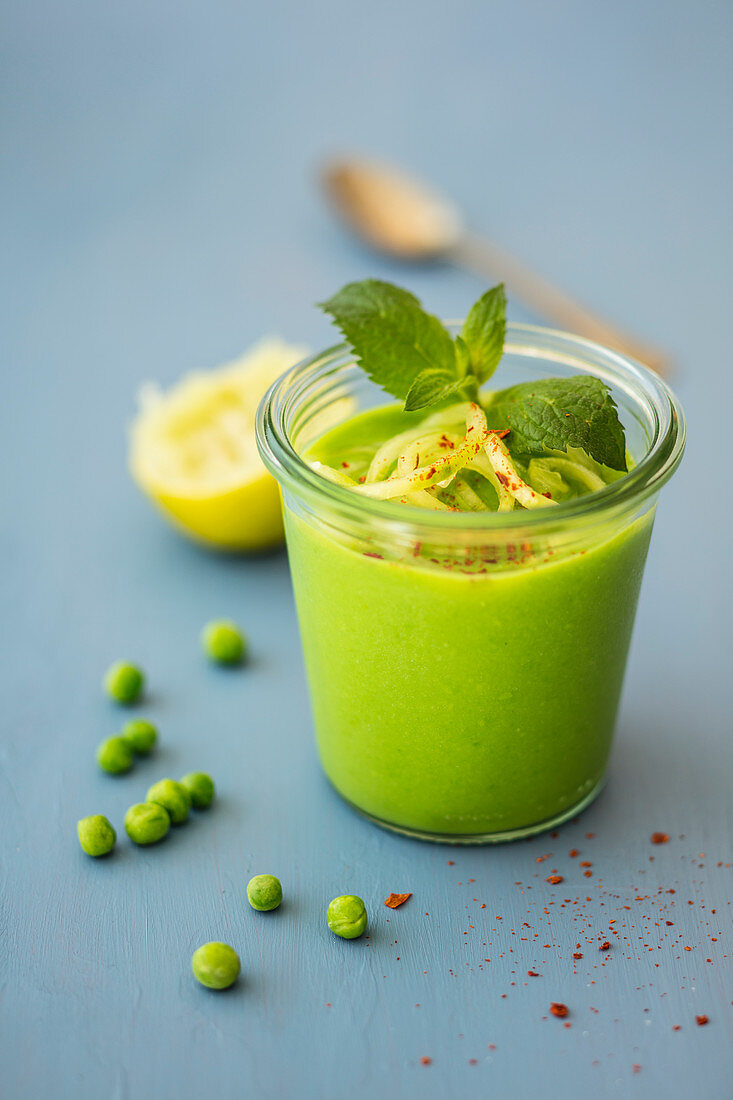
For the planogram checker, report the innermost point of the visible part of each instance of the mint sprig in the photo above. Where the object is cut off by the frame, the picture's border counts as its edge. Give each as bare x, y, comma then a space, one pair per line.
410, 354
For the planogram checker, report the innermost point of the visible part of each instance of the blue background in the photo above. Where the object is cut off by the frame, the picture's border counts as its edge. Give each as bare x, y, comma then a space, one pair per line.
159, 214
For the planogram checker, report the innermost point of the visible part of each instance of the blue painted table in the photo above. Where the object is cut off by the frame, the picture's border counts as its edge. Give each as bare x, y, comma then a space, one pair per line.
159, 215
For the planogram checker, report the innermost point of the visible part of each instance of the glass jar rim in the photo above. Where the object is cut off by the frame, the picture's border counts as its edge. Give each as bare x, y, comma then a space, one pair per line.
533, 341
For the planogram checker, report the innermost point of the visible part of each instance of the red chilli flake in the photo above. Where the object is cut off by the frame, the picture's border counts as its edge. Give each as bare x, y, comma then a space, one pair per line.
660, 838
425, 1061
701, 1020
577, 954
554, 880
604, 946
558, 1009
395, 900
533, 974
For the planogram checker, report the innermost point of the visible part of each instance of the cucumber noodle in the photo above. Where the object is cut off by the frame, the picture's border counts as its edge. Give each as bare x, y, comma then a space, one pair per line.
426, 460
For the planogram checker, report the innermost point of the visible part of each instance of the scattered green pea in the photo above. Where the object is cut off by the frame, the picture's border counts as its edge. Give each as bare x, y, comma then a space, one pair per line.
347, 916
147, 822
124, 682
264, 892
141, 736
96, 835
173, 797
224, 642
200, 787
215, 965
115, 755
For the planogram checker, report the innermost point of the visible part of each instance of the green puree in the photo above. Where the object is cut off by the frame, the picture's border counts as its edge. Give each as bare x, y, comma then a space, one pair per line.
455, 701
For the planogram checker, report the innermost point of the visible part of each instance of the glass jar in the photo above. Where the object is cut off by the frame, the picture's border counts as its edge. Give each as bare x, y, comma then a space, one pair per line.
465, 668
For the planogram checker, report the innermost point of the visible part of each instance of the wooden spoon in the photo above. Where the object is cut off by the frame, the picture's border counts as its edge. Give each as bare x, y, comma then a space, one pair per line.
402, 217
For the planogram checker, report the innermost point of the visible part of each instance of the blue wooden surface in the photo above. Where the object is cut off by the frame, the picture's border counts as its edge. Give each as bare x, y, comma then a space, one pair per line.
159, 215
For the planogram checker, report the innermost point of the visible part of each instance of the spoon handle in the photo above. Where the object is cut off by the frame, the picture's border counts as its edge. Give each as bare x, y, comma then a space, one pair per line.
485, 258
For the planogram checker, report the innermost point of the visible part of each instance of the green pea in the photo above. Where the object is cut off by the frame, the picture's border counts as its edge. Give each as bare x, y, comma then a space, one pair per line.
347, 917
96, 835
173, 797
147, 822
215, 965
264, 892
224, 642
200, 787
141, 736
124, 682
115, 755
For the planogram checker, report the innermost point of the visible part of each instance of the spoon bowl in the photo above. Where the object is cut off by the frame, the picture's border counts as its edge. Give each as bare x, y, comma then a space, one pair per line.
402, 217
391, 211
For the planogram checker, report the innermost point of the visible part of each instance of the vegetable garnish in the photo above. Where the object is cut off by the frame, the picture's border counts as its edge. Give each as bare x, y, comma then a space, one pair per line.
394, 901
408, 352
529, 446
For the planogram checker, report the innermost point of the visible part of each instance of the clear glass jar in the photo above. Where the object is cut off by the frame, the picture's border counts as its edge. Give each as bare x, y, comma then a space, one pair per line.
465, 668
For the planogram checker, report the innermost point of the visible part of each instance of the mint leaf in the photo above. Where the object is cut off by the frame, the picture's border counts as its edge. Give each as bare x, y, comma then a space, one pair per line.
558, 413
463, 357
393, 338
431, 386
484, 331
